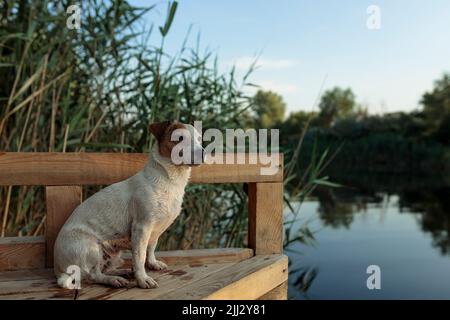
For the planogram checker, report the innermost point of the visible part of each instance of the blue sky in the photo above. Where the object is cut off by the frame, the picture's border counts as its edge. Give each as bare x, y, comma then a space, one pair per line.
303, 44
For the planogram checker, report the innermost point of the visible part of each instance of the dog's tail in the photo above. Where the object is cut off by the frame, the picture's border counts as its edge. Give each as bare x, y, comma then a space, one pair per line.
65, 281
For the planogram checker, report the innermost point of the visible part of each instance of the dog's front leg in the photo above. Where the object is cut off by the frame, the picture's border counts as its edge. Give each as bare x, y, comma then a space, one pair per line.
151, 262
140, 234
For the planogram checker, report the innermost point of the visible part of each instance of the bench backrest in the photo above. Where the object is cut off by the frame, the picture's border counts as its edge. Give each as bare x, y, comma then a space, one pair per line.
64, 174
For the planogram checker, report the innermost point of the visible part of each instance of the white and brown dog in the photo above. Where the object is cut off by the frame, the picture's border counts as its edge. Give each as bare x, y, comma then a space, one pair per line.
131, 214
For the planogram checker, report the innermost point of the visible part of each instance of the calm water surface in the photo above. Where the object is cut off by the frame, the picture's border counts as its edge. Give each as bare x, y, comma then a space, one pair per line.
401, 226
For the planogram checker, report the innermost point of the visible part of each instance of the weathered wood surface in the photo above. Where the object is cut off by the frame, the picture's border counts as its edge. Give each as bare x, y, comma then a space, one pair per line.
199, 256
61, 201
18, 253
265, 220
247, 279
172, 280
26, 274
279, 293
63, 169
194, 274
22, 253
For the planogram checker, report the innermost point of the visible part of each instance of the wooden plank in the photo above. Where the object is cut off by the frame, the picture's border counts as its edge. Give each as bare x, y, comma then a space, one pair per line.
43, 286
265, 208
42, 295
171, 280
245, 280
35, 247
34, 289
185, 266
199, 256
28, 274
248, 279
30, 286
97, 292
61, 201
237, 173
46, 168
250, 282
279, 293
22, 253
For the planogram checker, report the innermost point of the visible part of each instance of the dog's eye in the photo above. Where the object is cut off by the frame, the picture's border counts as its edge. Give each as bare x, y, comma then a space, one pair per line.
181, 138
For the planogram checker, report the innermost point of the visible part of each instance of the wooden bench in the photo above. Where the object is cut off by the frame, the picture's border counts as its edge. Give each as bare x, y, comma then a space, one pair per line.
257, 272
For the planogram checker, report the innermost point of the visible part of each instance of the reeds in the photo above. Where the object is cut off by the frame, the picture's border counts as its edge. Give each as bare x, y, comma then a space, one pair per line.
97, 89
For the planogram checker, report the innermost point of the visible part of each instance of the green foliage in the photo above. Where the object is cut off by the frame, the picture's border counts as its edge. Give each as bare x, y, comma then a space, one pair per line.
170, 15
296, 122
384, 151
335, 104
97, 89
394, 142
436, 107
270, 109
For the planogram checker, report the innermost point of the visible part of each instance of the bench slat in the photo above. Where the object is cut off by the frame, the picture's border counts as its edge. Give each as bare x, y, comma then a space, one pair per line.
18, 253
46, 168
245, 280
22, 253
249, 278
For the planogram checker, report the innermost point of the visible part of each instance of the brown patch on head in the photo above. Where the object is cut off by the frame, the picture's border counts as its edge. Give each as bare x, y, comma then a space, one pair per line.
163, 133
158, 129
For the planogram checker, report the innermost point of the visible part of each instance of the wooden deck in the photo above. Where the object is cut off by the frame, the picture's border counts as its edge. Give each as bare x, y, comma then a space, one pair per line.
257, 272
192, 274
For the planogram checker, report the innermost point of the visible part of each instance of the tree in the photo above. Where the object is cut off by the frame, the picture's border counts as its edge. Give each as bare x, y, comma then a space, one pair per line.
296, 122
436, 107
336, 104
270, 109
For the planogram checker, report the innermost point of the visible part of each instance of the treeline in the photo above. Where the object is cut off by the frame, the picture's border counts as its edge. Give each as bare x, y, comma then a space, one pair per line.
392, 142
401, 141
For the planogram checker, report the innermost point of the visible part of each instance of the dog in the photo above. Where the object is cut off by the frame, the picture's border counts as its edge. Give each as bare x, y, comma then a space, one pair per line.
131, 214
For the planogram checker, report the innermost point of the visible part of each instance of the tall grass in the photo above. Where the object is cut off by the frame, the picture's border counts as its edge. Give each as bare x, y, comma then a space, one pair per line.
97, 89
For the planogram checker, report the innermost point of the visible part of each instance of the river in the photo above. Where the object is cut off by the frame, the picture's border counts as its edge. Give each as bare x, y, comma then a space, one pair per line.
400, 223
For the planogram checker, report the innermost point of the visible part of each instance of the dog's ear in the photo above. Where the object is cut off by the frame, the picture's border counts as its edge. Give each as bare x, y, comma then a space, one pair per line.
158, 129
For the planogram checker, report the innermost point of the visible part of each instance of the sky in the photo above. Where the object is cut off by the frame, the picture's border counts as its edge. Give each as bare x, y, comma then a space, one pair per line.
305, 47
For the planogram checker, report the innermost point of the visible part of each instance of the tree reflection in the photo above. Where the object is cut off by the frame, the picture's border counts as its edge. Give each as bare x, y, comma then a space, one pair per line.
427, 197
433, 208
332, 211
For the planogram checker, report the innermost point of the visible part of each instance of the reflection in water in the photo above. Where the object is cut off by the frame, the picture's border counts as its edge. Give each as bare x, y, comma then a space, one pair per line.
303, 278
433, 210
402, 222
430, 201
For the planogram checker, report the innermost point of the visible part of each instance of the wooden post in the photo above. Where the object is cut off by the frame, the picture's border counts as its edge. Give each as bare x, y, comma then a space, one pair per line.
61, 201
278, 293
265, 221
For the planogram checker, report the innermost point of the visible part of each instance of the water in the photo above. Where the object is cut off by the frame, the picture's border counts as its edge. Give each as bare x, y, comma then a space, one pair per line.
400, 224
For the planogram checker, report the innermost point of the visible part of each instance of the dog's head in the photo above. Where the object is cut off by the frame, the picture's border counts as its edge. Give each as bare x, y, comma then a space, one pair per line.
178, 142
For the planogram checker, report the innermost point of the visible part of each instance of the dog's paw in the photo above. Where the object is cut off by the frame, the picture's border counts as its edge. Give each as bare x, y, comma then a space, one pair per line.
156, 265
119, 282
147, 283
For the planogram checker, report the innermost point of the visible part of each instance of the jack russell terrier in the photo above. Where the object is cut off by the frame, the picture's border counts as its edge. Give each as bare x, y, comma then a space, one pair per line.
131, 214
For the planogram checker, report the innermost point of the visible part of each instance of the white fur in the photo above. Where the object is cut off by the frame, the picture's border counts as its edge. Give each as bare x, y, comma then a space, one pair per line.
65, 281
129, 214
